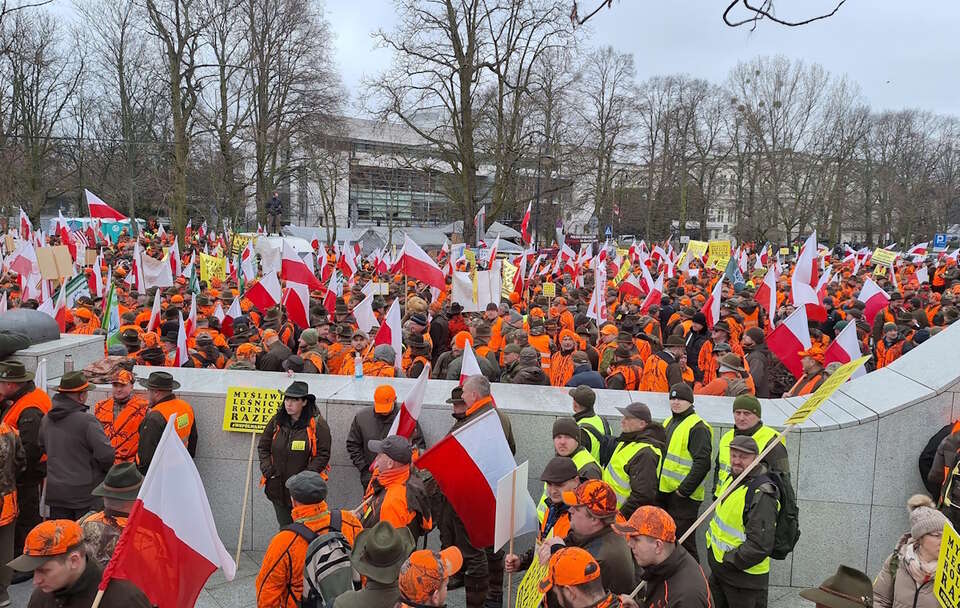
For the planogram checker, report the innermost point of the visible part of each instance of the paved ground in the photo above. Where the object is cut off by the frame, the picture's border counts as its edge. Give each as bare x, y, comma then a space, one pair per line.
240, 592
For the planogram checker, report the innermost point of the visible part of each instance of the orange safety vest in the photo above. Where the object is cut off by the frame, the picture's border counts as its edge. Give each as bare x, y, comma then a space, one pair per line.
654, 378
561, 368
183, 423
631, 380
419, 358
8, 508
807, 388
885, 355
36, 398
751, 320
542, 345
316, 359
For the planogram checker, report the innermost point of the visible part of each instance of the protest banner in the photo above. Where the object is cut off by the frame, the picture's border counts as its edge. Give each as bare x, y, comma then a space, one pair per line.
697, 249
549, 290
718, 254
212, 266
883, 257
528, 592
946, 579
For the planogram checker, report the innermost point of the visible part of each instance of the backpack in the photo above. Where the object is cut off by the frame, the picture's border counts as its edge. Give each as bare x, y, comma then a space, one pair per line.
788, 517
606, 443
327, 572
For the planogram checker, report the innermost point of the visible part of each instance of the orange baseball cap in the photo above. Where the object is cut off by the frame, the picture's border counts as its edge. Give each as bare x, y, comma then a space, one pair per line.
650, 521
47, 540
177, 299
123, 377
609, 330
269, 333
246, 349
597, 496
424, 571
461, 339
569, 567
384, 398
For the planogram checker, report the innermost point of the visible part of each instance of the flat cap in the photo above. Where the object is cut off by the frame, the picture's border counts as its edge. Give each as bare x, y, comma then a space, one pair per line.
559, 470
307, 487
583, 395
637, 410
744, 443
396, 447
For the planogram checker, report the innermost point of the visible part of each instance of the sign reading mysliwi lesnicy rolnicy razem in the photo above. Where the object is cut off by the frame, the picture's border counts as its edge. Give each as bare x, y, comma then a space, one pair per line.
248, 410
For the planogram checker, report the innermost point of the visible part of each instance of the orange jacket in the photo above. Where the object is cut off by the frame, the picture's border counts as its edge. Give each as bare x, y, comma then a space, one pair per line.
36, 398
542, 345
887, 355
280, 580
8, 502
561, 368
806, 385
393, 499
123, 429
631, 379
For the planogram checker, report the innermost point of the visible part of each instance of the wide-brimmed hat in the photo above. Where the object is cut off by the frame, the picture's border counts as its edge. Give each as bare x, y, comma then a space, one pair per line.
73, 382
380, 551
14, 371
160, 381
848, 588
297, 390
122, 482
731, 361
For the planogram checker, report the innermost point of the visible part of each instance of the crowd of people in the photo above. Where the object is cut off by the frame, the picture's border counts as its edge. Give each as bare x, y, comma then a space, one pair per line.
613, 507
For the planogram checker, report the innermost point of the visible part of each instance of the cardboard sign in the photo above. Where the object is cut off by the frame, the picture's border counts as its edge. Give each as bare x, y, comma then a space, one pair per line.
879, 271
9, 243
883, 257
528, 593
826, 389
91, 256
697, 249
248, 410
946, 580
54, 262
212, 266
549, 290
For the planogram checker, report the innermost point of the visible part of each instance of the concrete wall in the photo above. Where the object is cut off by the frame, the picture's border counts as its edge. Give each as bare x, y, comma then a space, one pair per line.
83, 349
853, 462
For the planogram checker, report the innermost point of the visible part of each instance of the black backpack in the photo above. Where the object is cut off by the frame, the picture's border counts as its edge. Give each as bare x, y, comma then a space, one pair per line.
788, 517
606, 443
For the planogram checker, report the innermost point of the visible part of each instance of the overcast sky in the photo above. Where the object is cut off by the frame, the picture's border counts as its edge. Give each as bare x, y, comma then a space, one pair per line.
902, 54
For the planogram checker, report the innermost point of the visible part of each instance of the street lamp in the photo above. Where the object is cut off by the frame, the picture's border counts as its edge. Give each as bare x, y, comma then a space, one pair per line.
545, 161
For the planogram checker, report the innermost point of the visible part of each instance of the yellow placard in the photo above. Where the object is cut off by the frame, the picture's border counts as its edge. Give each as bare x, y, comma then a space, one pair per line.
697, 249
784, 251
883, 257
509, 271
248, 410
549, 290
622, 273
471, 257
718, 254
238, 242
880, 271
826, 389
622, 252
946, 580
212, 266
528, 593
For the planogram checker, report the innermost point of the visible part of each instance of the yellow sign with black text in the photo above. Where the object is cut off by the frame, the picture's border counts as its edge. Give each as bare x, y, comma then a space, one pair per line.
549, 290
826, 389
946, 580
248, 410
883, 257
212, 266
528, 592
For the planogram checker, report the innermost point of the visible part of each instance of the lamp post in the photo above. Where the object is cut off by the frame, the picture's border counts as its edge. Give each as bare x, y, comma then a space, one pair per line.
542, 160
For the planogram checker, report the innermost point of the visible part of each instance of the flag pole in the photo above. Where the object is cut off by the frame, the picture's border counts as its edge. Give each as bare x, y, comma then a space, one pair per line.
246, 496
513, 493
96, 600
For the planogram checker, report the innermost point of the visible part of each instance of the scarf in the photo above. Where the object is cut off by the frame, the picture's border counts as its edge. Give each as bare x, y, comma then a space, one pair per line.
910, 560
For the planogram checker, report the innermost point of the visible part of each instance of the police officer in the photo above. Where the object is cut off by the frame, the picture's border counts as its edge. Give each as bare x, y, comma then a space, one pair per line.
686, 463
741, 535
593, 425
634, 468
747, 421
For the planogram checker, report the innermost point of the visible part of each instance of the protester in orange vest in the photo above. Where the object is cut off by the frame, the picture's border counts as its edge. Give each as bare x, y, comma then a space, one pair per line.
813, 376
28, 405
12, 464
890, 347
279, 583
561, 363
395, 495
666, 367
164, 404
121, 415
732, 379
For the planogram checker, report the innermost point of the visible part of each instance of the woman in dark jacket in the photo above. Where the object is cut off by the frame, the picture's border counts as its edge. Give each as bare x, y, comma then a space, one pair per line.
296, 439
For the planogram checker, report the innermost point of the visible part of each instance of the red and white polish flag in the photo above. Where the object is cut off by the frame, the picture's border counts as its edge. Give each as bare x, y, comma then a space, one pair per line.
405, 422
416, 264
391, 331
98, 208
296, 301
363, 313
469, 366
226, 324
155, 313
170, 545
767, 294
467, 464
845, 348
789, 338
874, 299
181, 354
711, 308
265, 293
654, 297
292, 268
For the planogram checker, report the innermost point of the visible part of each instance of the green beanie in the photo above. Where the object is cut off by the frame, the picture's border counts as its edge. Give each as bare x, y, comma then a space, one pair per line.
749, 403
